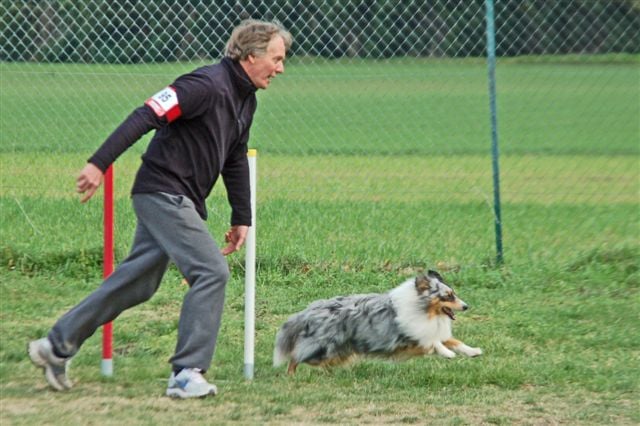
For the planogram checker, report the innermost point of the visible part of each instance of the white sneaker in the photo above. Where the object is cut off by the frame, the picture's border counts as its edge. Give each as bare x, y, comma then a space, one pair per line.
190, 383
55, 368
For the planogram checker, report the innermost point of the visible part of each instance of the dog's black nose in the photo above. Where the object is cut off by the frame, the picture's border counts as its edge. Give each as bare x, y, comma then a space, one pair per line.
465, 307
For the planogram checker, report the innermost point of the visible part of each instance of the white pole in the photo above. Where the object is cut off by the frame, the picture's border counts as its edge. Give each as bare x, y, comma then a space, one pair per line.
106, 367
250, 274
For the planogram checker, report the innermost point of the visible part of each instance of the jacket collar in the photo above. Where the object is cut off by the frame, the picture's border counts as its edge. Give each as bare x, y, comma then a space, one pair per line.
240, 79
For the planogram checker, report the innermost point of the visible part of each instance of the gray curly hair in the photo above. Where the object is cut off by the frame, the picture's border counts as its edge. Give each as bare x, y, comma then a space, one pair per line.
251, 37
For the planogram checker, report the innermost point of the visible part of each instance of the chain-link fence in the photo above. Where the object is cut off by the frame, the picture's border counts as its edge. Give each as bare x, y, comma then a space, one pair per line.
374, 144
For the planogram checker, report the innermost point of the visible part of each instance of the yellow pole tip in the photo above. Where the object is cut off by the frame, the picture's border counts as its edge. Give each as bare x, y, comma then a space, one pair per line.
252, 153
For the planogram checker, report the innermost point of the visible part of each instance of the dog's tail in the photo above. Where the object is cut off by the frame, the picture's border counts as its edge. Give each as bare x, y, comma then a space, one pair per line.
280, 353
285, 342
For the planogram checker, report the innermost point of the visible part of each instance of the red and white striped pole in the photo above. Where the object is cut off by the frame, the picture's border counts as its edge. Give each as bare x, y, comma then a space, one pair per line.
106, 367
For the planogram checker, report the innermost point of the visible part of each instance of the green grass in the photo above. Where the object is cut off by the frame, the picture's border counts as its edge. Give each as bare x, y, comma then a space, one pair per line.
415, 106
348, 202
556, 323
557, 349
349, 210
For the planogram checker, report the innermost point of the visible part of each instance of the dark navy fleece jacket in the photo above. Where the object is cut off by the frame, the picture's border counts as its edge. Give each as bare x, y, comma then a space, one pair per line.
202, 123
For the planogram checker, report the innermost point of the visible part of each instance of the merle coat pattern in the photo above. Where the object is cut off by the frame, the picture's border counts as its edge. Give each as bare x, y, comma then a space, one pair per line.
412, 319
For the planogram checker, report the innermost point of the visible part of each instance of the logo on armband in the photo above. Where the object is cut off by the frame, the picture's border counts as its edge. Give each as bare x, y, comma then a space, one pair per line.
165, 103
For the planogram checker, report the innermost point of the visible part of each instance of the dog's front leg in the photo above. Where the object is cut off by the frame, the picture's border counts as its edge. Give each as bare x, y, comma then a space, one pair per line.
443, 351
461, 348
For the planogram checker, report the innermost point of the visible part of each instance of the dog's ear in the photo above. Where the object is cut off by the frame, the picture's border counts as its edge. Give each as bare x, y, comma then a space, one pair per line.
434, 274
422, 284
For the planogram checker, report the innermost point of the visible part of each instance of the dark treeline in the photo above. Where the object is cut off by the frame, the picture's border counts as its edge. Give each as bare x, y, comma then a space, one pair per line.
133, 31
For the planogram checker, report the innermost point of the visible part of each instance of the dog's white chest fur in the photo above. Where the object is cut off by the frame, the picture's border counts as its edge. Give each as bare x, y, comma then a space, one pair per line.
413, 320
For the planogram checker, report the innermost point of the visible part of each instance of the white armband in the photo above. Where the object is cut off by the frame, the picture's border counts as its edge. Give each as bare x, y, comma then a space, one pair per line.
165, 103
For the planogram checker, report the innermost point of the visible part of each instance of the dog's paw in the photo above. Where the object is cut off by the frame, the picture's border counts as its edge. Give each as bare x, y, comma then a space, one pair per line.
447, 354
473, 352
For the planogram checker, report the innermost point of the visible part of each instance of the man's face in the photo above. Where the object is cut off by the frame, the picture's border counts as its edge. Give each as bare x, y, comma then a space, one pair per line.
261, 69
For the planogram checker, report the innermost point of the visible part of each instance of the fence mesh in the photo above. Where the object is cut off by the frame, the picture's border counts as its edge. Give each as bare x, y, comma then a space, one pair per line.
375, 142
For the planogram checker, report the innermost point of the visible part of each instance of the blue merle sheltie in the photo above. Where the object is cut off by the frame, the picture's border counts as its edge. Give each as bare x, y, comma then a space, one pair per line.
413, 319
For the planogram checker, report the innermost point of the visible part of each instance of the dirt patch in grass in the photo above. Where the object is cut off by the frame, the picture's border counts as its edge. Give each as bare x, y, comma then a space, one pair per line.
526, 407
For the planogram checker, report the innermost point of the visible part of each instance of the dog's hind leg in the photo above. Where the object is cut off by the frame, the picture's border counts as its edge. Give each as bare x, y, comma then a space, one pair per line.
461, 348
292, 367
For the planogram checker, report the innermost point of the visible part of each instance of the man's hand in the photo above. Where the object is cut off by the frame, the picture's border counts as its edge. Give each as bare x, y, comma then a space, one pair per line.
234, 238
88, 181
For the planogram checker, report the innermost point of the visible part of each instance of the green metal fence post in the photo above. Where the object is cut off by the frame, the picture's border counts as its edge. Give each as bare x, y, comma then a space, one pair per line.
491, 63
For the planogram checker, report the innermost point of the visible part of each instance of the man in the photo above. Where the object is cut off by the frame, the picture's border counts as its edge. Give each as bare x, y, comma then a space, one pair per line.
202, 124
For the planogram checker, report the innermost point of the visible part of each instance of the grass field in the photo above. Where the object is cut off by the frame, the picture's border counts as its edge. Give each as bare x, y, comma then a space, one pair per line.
351, 201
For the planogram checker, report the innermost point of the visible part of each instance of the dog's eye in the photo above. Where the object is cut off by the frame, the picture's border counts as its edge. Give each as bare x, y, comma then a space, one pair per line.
450, 297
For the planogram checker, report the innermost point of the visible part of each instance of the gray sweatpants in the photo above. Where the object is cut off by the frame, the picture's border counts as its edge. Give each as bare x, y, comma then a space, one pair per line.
169, 229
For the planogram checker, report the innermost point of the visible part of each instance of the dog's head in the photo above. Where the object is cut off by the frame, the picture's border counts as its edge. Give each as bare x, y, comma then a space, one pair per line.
441, 299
